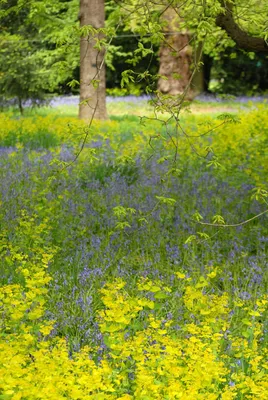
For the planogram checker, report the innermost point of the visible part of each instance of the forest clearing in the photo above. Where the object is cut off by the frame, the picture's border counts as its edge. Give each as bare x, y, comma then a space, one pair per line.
133, 199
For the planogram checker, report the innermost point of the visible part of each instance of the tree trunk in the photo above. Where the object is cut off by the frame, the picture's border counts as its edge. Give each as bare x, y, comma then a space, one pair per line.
92, 67
20, 105
208, 62
176, 61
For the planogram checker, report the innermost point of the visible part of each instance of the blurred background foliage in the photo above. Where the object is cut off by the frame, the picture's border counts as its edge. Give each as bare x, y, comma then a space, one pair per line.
39, 55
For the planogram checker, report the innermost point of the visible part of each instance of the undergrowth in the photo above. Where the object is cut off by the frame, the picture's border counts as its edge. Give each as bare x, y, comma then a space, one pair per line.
110, 286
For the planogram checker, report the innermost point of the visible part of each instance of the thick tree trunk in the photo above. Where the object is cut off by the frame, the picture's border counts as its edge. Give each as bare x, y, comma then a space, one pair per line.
177, 61
92, 67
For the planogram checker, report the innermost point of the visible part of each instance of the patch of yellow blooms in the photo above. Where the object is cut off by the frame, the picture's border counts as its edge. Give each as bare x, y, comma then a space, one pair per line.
146, 358
235, 145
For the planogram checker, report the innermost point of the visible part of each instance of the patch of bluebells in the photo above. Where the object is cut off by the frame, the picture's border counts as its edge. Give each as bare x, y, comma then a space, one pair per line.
91, 249
74, 100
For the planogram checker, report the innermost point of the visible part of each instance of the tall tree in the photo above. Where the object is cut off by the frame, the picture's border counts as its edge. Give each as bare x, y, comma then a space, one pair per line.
33, 60
177, 59
215, 25
92, 66
176, 55
44, 26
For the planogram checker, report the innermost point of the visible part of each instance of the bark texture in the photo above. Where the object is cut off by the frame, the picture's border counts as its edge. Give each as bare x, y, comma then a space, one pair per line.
92, 12
240, 37
176, 61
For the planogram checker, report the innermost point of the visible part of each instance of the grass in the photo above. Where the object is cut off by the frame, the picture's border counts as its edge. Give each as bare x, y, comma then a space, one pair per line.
141, 108
111, 289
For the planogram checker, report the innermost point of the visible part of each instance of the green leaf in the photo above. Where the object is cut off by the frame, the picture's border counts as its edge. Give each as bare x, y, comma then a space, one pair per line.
155, 289
203, 235
246, 321
73, 83
160, 295
190, 239
166, 200
122, 225
218, 219
95, 83
197, 217
127, 77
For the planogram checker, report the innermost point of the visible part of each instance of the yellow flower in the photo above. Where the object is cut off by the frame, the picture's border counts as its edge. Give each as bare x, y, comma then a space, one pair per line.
180, 275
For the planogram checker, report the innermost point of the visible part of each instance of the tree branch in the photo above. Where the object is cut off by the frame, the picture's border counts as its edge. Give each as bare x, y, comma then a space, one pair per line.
233, 225
244, 41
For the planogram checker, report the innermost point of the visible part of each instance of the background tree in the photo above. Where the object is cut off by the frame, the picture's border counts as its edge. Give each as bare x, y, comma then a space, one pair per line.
238, 72
40, 46
23, 76
203, 19
92, 64
176, 55
246, 23
177, 59
33, 58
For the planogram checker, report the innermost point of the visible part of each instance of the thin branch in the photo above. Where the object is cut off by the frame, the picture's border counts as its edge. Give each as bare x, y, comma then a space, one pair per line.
232, 225
84, 140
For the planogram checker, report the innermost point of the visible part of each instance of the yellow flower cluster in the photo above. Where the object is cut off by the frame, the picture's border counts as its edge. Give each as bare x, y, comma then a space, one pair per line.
146, 357
233, 145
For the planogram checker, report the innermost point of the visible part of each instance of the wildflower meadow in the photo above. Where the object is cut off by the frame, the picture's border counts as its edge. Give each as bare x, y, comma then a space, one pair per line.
128, 275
